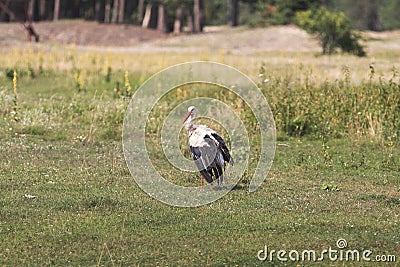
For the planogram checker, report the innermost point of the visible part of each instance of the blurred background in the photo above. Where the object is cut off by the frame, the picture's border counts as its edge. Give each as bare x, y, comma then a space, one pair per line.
193, 15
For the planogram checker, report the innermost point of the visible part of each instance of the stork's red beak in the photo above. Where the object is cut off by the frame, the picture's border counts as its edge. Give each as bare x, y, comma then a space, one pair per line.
186, 117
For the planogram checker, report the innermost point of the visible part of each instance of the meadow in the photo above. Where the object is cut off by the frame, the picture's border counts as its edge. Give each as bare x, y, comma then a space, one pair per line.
68, 198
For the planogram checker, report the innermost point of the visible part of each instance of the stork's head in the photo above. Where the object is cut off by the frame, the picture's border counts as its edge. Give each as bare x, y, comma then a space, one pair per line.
190, 115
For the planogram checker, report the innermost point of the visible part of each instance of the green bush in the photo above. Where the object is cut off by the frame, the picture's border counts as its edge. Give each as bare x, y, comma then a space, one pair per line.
333, 30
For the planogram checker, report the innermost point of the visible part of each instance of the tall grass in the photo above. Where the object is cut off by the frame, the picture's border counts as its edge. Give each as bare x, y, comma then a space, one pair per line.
302, 104
336, 109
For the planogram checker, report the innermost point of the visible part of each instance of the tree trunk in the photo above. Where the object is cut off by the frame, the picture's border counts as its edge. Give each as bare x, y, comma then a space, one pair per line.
3, 14
107, 11
30, 12
76, 9
56, 13
115, 10
42, 9
233, 8
130, 8
99, 11
197, 16
150, 17
372, 17
8, 11
121, 11
178, 20
140, 12
161, 20
190, 23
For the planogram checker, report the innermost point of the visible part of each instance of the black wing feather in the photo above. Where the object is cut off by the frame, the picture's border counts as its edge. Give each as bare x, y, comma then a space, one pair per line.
215, 169
223, 148
196, 154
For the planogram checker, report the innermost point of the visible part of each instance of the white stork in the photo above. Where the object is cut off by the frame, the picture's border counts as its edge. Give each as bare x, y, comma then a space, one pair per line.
208, 149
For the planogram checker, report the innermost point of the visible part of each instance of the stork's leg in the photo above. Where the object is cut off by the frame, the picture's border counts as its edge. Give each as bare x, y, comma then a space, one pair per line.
201, 183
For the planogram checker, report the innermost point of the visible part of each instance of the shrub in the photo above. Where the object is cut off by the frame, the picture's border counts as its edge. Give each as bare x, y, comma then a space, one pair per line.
333, 30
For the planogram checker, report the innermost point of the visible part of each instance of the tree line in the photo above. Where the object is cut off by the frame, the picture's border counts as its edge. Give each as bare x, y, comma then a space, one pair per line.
191, 15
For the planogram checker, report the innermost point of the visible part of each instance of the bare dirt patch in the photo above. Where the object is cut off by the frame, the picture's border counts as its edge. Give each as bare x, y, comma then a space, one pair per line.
92, 35
83, 33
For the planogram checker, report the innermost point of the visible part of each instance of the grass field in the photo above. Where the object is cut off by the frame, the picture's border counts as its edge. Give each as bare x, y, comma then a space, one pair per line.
67, 197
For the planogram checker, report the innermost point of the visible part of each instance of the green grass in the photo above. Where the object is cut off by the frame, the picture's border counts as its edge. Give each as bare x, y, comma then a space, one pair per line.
336, 180
88, 209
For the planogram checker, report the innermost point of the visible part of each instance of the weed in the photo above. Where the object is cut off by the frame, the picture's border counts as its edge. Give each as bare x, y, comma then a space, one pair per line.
127, 87
371, 72
330, 187
79, 80
14, 112
34, 130
107, 71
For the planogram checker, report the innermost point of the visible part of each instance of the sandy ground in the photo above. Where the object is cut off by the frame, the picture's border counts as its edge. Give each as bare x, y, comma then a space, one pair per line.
93, 35
82, 33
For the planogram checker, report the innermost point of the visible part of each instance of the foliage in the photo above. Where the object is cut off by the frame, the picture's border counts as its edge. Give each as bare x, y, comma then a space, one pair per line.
286, 10
215, 12
388, 14
363, 14
333, 30
273, 12
373, 15
15, 97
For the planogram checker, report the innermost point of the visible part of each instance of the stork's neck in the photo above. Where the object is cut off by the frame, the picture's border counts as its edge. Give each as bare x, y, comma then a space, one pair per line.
189, 126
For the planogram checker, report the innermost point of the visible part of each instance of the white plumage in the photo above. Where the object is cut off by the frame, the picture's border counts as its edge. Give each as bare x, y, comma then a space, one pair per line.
208, 149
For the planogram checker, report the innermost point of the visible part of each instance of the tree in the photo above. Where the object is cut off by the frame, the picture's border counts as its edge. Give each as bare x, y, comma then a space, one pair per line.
333, 30
363, 13
31, 10
115, 11
233, 12
28, 25
150, 17
25, 19
107, 11
7, 10
99, 10
161, 19
286, 9
121, 11
389, 15
178, 20
56, 10
42, 9
140, 12
197, 16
